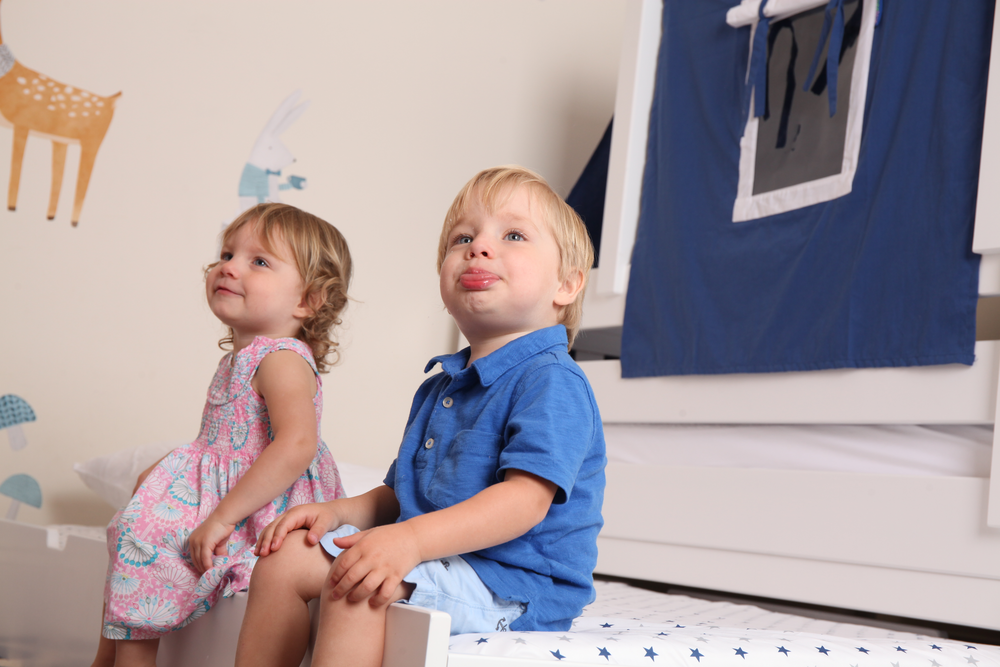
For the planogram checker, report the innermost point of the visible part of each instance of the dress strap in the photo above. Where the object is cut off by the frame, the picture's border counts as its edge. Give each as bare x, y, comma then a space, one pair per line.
249, 358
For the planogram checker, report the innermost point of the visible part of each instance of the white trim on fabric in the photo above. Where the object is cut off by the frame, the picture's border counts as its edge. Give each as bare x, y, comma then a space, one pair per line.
749, 206
747, 12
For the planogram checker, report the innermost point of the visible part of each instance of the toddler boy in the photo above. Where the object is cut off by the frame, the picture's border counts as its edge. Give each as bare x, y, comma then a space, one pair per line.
492, 507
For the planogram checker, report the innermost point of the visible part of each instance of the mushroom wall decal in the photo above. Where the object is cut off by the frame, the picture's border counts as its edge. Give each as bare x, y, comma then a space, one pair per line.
21, 489
14, 411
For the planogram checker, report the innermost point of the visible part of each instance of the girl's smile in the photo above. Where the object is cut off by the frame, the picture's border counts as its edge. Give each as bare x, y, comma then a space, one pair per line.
255, 290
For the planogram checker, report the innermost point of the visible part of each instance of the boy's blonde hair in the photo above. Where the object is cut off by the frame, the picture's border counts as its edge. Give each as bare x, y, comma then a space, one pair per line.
323, 259
493, 188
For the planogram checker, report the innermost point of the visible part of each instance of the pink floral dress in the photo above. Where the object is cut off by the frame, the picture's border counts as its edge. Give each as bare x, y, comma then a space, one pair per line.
152, 587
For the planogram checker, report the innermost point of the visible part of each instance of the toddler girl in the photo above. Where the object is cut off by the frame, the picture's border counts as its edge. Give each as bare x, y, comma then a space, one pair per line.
188, 534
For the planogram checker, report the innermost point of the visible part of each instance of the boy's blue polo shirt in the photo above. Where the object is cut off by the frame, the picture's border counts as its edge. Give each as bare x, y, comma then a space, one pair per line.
526, 406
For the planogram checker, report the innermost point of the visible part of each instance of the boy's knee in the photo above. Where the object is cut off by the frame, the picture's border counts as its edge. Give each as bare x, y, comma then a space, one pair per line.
297, 566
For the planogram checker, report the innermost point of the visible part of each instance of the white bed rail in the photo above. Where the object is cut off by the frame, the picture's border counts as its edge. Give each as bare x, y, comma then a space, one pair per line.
986, 239
416, 637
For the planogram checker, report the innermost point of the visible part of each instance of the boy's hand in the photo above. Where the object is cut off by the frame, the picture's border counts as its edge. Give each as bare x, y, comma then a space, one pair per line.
208, 539
374, 563
319, 518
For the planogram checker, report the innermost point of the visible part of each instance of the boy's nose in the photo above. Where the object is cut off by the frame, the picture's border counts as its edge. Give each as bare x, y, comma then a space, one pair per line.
480, 248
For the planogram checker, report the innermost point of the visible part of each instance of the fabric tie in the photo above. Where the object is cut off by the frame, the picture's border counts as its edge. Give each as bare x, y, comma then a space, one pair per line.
835, 11
758, 62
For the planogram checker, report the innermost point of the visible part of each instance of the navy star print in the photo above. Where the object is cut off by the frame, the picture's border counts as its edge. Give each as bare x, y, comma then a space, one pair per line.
740, 652
782, 649
695, 653
604, 653
558, 655
862, 649
651, 654
824, 650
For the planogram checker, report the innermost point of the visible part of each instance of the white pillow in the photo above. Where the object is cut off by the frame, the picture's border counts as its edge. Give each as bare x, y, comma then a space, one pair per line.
113, 476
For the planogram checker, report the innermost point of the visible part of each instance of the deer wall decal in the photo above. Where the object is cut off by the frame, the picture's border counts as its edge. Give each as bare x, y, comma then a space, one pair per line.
34, 104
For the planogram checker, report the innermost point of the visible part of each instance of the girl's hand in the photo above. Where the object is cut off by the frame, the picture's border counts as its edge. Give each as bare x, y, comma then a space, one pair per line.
319, 518
209, 539
374, 563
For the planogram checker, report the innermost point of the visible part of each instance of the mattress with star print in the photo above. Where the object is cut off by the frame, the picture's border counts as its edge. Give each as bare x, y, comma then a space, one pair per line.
632, 626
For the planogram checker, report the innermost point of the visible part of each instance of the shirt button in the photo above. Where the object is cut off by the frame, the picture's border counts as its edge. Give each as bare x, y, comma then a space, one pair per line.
447, 402
429, 443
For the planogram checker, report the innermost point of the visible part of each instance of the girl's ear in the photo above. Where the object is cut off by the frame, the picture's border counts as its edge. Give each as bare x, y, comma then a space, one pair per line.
570, 288
308, 305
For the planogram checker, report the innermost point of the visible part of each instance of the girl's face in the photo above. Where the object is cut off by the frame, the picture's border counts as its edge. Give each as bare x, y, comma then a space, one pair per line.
254, 291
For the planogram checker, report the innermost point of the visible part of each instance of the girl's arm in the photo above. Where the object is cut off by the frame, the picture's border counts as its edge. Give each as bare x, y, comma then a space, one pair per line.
377, 560
287, 385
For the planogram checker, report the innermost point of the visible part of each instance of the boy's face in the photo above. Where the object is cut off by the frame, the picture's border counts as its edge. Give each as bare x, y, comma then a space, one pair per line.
500, 274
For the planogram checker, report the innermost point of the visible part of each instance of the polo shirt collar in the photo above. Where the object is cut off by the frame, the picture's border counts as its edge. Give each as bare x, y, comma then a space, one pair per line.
495, 364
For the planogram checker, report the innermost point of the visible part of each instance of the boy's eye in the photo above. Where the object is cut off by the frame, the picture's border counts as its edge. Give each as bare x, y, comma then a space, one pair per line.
513, 236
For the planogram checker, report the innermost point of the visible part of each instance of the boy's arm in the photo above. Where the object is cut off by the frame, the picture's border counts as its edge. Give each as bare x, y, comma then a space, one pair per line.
375, 508
378, 559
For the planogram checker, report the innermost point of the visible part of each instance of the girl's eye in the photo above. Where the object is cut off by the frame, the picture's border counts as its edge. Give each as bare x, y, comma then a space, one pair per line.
462, 238
259, 262
226, 256
514, 236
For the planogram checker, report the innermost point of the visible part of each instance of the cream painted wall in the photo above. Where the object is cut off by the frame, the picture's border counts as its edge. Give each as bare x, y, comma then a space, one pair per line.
103, 327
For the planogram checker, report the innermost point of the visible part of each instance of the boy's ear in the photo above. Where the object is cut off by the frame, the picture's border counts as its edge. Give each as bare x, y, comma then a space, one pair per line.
570, 288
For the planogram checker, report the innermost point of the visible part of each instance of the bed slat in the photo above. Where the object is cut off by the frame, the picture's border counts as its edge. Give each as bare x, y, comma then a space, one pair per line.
947, 394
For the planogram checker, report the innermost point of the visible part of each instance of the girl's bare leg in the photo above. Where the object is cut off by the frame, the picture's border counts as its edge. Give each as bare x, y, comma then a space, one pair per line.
105, 648
105, 653
352, 633
136, 652
275, 628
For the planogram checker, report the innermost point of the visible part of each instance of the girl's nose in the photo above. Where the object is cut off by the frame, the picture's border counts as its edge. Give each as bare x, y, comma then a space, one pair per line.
228, 268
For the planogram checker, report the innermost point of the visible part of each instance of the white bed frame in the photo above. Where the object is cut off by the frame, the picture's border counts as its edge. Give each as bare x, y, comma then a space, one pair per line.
924, 548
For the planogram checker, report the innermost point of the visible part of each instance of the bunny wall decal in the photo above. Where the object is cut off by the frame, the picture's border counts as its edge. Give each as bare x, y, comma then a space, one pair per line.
260, 181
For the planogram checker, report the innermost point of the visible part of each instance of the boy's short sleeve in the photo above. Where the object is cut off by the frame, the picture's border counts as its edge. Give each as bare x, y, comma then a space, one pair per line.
551, 428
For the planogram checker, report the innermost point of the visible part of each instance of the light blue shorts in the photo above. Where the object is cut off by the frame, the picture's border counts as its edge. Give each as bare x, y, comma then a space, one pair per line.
449, 585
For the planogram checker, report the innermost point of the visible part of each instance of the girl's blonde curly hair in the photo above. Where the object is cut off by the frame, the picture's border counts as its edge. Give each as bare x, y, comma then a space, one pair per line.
324, 263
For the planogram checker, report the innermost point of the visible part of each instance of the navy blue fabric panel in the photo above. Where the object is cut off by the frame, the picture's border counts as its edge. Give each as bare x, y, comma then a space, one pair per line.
587, 196
883, 276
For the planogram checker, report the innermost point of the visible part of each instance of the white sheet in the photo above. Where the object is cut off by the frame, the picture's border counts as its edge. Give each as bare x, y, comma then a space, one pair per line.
629, 626
957, 451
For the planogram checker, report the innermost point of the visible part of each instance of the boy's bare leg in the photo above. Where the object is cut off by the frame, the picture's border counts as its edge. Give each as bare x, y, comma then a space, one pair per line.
136, 652
352, 633
275, 627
